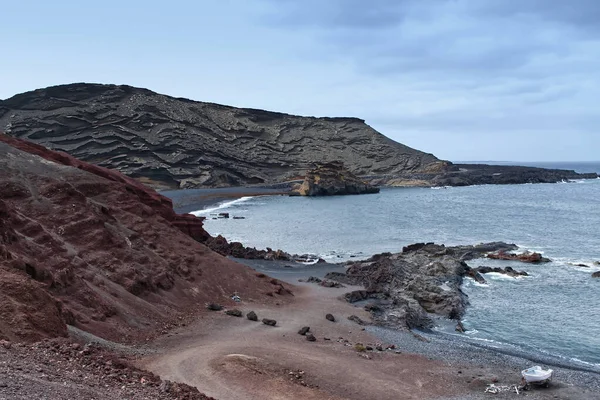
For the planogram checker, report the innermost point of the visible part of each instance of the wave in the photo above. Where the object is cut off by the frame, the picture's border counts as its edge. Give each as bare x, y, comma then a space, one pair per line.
497, 276
475, 283
220, 206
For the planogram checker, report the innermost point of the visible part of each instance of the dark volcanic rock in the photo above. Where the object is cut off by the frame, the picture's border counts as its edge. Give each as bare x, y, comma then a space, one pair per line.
357, 319
304, 330
526, 257
356, 295
506, 271
252, 316
330, 317
421, 282
234, 312
270, 322
331, 179
310, 337
481, 174
596, 274
177, 143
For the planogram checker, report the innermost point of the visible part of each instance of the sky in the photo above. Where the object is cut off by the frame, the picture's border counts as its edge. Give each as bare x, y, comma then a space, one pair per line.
511, 80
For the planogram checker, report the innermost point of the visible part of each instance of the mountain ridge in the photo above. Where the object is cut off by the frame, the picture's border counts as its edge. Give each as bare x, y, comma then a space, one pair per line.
182, 143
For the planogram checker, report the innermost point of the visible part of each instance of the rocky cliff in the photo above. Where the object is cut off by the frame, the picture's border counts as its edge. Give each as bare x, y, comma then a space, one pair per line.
88, 247
331, 179
177, 143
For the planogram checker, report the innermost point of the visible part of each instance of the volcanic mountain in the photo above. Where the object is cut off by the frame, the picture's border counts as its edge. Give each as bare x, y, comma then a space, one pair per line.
178, 143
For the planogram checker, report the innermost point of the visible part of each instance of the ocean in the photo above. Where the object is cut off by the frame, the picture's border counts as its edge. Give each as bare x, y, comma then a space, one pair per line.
553, 312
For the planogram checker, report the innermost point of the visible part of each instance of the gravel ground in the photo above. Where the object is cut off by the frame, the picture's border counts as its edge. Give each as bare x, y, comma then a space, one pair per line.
59, 369
570, 382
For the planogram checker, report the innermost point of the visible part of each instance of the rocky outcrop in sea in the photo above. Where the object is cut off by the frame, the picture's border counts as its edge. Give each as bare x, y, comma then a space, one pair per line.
332, 179
413, 288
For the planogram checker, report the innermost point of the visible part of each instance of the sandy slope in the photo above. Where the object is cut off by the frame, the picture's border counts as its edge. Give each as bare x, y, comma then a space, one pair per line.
234, 358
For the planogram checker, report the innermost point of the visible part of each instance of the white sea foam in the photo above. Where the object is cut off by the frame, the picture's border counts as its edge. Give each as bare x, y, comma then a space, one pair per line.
220, 206
475, 283
497, 276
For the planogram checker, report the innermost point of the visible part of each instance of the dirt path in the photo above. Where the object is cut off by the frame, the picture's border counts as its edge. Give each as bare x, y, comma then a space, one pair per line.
234, 358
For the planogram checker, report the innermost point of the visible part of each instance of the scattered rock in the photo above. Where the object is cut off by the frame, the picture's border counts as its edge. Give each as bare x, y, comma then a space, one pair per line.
460, 327
357, 320
314, 279
526, 257
331, 284
239, 217
330, 317
304, 330
596, 274
356, 295
214, 307
270, 322
252, 316
234, 312
582, 265
310, 337
223, 215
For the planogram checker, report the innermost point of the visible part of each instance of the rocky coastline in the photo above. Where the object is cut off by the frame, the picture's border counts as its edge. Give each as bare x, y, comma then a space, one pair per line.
93, 264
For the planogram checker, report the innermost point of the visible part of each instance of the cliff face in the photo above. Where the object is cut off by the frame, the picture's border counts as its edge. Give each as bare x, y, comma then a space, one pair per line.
177, 143
89, 247
330, 179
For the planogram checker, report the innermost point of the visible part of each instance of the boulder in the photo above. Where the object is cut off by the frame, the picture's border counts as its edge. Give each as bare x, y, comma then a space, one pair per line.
486, 270
214, 307
310, 337
270, 322
330, 179
252, 316
526, 257
234, 312
357, 319
596, 274
304, 330
356, 295
330, 317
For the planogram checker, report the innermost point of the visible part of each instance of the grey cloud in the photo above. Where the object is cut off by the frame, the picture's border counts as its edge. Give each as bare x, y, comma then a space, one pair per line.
463, 66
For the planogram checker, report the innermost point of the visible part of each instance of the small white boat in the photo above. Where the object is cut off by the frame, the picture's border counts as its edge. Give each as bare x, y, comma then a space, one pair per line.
537, 375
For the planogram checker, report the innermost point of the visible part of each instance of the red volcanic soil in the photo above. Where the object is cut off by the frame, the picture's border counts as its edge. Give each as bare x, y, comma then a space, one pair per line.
86, 246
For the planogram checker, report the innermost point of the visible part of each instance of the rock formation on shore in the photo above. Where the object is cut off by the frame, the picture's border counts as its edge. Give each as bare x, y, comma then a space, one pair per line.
411, 288
331, 179
177, 143
85, 246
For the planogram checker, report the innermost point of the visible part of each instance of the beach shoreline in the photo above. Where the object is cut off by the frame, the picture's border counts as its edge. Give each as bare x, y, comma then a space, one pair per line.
421, 365
572, 381
191, 200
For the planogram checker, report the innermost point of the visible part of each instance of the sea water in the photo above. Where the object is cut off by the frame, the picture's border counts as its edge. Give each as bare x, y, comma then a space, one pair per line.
555, 311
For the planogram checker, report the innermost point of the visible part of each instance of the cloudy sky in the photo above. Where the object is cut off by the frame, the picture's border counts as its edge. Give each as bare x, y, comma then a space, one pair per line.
463, 79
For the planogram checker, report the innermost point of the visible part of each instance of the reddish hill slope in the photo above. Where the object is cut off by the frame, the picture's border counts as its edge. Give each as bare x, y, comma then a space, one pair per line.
86, 246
